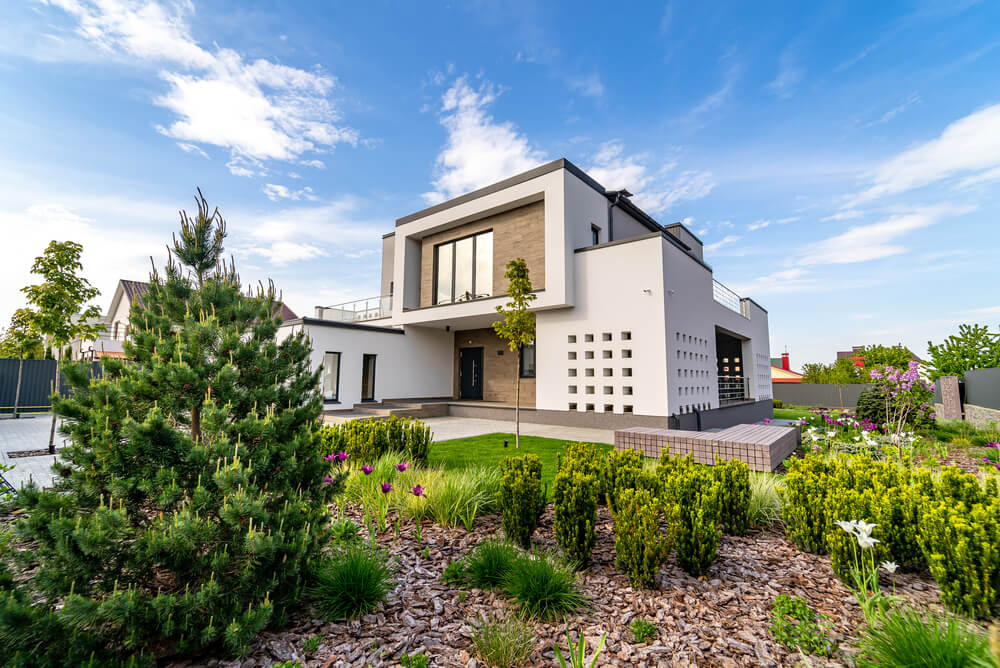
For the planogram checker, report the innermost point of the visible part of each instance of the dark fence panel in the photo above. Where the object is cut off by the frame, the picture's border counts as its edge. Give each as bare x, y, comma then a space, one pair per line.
982, 388
819, 395
37, 382
722, 417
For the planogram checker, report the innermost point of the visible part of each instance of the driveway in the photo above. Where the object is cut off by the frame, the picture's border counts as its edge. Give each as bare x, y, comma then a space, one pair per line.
28, 432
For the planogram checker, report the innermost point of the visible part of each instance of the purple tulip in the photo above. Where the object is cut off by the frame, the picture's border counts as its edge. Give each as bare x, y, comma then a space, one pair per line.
341, 456
328, 458
418, 491
386, 487
367, 469
327, 479
401, 466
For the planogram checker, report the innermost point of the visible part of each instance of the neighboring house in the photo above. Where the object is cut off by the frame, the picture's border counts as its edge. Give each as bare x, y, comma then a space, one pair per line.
116, 323
781, 370
631, 326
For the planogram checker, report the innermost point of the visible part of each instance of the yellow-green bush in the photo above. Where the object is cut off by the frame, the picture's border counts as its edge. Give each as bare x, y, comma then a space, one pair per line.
584, 457
521, 498
368, 439
692, 493
621, 471
575, 496
734, 486
803, 503
640, 548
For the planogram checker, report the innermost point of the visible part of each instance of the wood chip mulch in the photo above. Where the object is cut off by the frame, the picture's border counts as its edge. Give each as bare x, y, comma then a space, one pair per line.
721, 619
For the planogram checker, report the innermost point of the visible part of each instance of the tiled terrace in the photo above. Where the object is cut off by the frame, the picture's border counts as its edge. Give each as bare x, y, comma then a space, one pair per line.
763, 448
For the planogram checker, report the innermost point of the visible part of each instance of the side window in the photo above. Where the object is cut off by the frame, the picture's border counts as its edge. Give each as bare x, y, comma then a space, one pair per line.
331, 377
595, 235
528, 361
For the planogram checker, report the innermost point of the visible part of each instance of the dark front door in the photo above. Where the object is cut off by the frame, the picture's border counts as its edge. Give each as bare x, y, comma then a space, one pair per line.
470, 364
368, 378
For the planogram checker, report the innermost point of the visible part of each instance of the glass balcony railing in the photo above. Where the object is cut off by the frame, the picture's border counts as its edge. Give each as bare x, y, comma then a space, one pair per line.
728, 298
360, 310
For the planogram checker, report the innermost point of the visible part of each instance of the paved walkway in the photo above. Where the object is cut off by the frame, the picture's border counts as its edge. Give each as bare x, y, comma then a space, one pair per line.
448, 428
28, 432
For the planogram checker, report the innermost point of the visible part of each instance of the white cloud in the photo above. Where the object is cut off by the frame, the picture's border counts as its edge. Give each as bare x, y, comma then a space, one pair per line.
989, 176
789, 75
479, 150
283, 252
275, 192
863, 243
725, 241
849, 214
589, 85
970, 144
259, 110
191, 148
655, 189
910, 100
785, 221
987, 310
758, 225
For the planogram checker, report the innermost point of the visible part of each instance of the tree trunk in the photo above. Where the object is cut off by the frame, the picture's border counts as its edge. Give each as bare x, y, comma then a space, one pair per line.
52, 429
517, 402
17, 392
196, 423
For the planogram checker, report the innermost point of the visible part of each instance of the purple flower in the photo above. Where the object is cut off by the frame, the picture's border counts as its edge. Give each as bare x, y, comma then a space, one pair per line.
386, 487
401, 466
367, 469
417, 491
341, 456
328, 458
327, 479
767, 421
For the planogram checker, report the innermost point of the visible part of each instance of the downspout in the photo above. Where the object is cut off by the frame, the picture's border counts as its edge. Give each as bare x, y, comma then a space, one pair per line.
611, 217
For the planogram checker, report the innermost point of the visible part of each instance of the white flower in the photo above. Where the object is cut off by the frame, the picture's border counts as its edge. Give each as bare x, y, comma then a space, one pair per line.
865, 529
889, 566
831, 434
867, 541
857, 438
850, 527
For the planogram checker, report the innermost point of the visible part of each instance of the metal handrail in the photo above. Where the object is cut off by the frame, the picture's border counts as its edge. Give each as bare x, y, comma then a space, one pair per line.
371, 308
733, 388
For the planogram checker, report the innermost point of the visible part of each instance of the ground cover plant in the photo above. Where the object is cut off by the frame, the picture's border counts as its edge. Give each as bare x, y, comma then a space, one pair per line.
504, 642
797, 626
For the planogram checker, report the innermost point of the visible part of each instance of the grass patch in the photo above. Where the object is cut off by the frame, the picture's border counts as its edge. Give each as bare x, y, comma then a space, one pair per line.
544, 586
504, 643
792, 413
488, 565
352, 582
488, 451
911, 639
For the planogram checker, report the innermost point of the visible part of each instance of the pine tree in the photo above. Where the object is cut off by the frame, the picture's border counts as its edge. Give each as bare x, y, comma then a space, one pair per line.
191, 502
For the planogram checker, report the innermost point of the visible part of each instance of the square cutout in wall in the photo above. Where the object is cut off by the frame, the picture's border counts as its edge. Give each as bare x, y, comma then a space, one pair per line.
606, 354
572, 406
589, 354
609, 372
572, 389
626, 336
572, 373
588, 338
571, 338
608, 389
627, 372
588, 372
626, 408
609, 408
626, 353
606, 336
572, 355
627, 390
589, 389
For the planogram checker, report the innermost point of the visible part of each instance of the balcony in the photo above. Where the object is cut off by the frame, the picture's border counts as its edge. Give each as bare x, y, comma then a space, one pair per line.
729, 299
360, 310
733, 389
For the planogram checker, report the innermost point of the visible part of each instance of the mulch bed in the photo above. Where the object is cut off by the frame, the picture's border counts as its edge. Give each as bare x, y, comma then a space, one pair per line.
721, 619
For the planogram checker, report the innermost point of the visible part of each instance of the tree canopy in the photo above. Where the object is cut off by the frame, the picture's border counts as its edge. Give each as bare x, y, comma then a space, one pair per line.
974, 347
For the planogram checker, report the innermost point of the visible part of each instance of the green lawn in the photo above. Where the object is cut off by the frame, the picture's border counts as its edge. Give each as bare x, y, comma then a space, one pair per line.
792, 413
488, 450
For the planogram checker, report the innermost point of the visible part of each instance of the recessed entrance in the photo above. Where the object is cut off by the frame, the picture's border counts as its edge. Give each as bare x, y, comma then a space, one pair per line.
470, 361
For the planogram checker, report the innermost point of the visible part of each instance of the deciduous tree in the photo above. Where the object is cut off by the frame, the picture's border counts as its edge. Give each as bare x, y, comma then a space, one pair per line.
517, 327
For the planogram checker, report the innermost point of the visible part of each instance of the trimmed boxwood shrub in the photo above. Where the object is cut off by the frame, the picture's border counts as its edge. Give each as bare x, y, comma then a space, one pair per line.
521, 498
621, 471
575, 496
734, 486
803, 499
695, 495
640, 548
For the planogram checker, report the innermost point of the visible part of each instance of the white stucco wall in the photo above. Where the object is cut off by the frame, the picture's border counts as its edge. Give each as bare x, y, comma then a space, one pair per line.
611, 298
416, 364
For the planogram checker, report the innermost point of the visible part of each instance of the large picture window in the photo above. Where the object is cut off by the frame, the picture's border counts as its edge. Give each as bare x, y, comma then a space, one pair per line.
463, 269
331, 377
528, 361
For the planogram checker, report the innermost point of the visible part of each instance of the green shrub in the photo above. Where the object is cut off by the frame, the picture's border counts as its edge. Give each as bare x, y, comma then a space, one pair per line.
871, 407
454, 572
575, 496
586, 458
352, 582
640, 548
803, 498
643, 630
367, 439
344, 531
489, 563
503, 643
734, 487
797, 626
418, 660
777, 403
906, 638
544, 586
621, 471
765, 504
962, 548
695, 494
521, 498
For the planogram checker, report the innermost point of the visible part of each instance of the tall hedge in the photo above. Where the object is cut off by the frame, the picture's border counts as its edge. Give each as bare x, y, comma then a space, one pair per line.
621, 471
367, 439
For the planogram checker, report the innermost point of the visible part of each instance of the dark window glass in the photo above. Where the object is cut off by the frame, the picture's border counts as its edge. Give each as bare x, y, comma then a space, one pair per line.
528, 361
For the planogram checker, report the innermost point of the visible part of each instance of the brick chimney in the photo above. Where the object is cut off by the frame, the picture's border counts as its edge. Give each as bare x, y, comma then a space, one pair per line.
785, 364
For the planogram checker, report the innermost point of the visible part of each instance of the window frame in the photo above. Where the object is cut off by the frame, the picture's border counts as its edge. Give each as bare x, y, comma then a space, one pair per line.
520, 371
595, 235
454, 259
336, 389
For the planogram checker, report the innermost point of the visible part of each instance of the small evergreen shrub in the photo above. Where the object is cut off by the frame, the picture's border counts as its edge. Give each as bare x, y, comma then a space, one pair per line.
906, 638
586, 458
312, 643
621, 470
506, 642
367, 439
418, 660
640, 548
487, 566
871, 407
734, 487
695, 494
352, 582
643, 630
575, 496
344, 531
803, 503
521, 499
544, 586
962, 548
777, 403
798, 627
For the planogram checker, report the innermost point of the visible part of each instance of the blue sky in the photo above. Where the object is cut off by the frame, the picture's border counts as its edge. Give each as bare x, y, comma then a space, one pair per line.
841, 161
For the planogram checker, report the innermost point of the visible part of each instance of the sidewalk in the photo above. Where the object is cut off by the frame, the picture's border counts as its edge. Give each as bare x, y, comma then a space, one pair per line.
28, 432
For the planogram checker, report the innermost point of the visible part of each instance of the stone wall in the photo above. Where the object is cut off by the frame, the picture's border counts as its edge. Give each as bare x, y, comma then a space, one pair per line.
980, 417
516, 233
499, 367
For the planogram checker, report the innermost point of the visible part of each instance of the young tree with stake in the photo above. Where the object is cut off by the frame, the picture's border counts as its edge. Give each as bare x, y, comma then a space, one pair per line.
59, 301
517, 326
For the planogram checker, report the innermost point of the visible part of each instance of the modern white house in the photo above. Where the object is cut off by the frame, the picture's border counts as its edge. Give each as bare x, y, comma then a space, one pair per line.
632, 329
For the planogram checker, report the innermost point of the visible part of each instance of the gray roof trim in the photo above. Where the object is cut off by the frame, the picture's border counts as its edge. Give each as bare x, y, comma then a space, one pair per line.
626, 205
755, 304
561, 163
652, 235
686, 229
389, 234
344, 325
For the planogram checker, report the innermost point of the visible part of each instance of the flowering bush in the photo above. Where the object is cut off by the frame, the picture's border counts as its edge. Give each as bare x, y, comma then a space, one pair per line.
906, 397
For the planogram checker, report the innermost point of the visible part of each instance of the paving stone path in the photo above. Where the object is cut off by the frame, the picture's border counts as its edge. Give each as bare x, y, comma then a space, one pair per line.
28, 432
